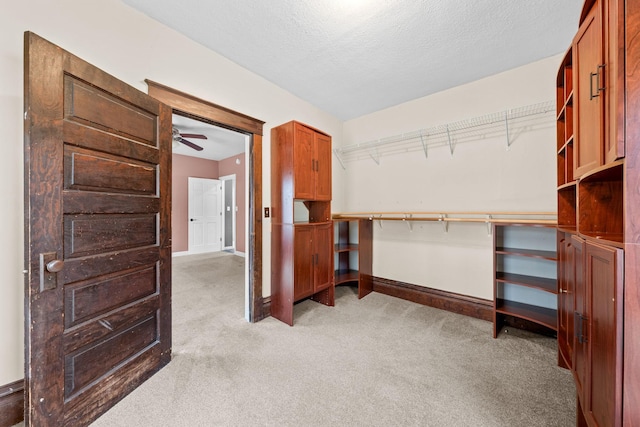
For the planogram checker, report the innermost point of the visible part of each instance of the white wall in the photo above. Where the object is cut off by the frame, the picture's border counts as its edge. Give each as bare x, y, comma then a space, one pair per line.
131, 47
480, 176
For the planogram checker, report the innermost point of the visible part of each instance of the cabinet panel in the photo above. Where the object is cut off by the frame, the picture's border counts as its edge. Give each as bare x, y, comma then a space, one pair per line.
588, 150
604, 283
323, 269
566, 298
614, 53
580, 349
323, 167
304, 163
304, 257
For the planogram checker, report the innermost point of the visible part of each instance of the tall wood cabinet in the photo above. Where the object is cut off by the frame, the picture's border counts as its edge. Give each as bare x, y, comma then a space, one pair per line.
598, 99
301, 226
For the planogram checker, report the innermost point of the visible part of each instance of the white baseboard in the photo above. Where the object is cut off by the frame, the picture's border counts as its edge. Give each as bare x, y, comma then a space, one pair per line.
183, 253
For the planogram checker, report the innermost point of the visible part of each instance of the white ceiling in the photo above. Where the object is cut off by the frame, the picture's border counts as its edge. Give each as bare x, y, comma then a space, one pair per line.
353, 57
220, 143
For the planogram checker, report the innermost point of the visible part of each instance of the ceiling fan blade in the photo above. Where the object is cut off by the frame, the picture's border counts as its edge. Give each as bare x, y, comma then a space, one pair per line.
193, 135
190, 144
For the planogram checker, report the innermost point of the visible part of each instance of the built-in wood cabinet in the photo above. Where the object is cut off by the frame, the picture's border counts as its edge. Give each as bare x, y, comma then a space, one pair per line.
353, 254
588, 69
301, 226
598, 207
525, 283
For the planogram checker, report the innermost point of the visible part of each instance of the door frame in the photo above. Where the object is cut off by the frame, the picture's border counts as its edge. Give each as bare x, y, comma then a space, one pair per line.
205, 111
234, 212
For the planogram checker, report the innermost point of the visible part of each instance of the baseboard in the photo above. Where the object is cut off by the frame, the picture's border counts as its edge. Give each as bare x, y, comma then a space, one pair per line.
11, 403
182, 253
456, 303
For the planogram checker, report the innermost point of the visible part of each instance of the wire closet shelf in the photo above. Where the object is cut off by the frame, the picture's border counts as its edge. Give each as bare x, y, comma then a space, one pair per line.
509, 123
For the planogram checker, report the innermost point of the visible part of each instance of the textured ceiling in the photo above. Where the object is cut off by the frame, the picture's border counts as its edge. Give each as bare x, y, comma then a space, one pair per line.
353, 57
219, 145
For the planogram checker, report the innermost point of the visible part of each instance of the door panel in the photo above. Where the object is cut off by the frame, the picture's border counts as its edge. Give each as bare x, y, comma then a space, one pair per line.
97, 182
323, 172
304, 258
303, 161
322, 246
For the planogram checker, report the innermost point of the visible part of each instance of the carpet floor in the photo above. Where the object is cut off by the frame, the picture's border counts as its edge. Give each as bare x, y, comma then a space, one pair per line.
378, 361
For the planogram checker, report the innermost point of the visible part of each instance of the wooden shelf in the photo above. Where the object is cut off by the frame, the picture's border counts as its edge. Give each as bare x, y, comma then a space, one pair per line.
345, 276
345, 247
550, 255
544, 284
540, 315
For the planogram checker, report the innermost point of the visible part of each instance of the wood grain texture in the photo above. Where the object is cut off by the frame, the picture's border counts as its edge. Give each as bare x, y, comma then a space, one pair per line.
11, 403
631, 379
204, 109
89, 136
455, 303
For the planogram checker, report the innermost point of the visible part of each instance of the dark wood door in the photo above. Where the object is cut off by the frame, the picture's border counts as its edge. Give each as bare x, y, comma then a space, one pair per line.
589, 150
303, 162
604, 274
98, 248
323, 167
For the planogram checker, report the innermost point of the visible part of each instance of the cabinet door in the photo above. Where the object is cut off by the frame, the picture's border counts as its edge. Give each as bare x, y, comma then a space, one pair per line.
323, 167
303, 261
323, 269
614, 53
303, 163
588, 152
566, 281
580, 348
604, 275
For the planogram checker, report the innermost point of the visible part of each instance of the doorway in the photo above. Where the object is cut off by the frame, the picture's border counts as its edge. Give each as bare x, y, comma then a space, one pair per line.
187, 105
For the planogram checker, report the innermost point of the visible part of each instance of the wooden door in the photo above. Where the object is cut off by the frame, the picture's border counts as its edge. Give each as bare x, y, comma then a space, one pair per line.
97, 230
303, 162
323, 167
580, 337
614, 54
566, 279
588, 149
303, 260
604, 275
323, 249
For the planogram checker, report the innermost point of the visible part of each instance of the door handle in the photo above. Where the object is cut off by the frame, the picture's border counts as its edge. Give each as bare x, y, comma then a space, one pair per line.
598, 87
192, 219
55, 266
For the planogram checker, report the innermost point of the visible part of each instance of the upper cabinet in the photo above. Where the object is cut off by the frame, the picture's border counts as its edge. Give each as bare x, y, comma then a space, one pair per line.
311, 163
588, 68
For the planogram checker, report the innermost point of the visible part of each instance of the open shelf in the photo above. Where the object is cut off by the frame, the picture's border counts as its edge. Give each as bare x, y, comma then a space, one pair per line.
540, 315
533, 253
542, 283
346, 276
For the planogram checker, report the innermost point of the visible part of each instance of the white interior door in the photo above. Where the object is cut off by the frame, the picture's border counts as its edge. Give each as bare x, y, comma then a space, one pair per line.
205, 215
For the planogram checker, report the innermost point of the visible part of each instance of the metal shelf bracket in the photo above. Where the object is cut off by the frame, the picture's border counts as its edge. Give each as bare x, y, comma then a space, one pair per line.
489, 224
337, 154
406, 219
445, 224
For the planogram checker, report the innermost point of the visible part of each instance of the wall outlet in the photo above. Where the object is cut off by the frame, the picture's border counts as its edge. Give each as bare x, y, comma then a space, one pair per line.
266, 212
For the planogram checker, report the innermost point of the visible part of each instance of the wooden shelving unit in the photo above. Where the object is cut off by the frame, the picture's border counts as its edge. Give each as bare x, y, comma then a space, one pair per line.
353, 254
525, 285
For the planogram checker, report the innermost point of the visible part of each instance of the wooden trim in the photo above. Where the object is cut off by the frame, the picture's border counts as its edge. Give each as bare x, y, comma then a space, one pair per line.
199, 109
204, 109
449, 301
11, 403
265, 309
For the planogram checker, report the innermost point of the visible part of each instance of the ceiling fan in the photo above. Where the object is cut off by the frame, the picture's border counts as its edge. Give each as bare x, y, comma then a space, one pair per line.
179, 137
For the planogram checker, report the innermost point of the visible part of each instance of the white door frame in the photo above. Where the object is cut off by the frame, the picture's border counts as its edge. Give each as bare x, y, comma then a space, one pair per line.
234, 211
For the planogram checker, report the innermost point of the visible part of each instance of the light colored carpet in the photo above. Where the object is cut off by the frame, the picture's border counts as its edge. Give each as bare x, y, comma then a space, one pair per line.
379, 361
